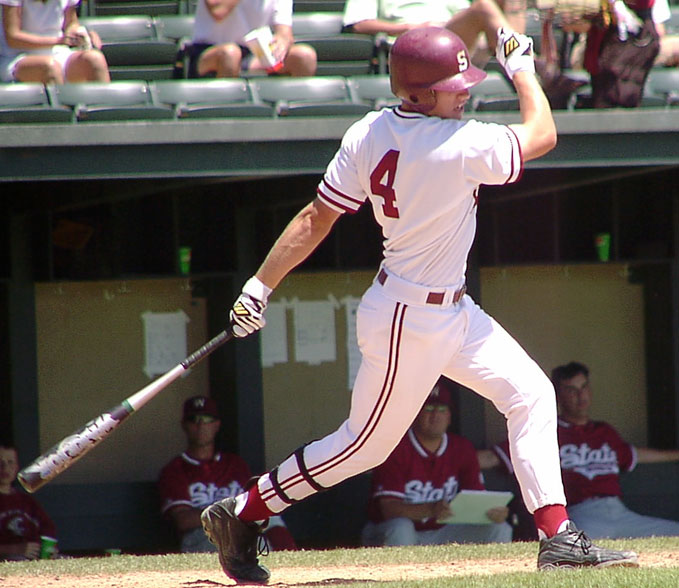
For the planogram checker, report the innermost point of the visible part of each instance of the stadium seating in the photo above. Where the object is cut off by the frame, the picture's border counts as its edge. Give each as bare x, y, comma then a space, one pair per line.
133, 48
344, 54
374, 90
30, 103
493, 93
664, 83
115, 101
317, 24
209, 98
313, 96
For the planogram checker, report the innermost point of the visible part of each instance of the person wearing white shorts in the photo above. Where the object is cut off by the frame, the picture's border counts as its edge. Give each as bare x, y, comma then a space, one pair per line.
44, 42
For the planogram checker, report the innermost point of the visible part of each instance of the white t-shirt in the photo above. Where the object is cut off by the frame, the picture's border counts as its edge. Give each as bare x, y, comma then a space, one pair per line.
246, 16
40, 18
421, 175
402, 10
660, 12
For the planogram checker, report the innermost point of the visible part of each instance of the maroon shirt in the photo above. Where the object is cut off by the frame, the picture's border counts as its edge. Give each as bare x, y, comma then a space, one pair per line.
592, 456
416, 476
198, 484
22, 519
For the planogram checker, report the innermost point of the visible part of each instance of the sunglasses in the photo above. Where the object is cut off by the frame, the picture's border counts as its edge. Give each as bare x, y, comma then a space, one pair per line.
201, 419
434, 408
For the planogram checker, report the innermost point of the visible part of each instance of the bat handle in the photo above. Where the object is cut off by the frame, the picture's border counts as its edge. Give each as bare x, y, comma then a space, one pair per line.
208, 348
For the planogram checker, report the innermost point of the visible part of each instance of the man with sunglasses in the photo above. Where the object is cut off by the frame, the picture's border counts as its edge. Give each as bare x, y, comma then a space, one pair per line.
412, 489
202, 475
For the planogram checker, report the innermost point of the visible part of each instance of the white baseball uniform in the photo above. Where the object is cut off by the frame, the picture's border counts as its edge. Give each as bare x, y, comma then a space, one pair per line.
421, 175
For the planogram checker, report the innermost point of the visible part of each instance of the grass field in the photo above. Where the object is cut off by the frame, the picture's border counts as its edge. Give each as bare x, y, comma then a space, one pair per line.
482, 566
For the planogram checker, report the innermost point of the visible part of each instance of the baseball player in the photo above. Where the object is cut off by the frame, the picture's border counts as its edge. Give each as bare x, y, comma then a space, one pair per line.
22, 520
412, 489
419, 167
202, 475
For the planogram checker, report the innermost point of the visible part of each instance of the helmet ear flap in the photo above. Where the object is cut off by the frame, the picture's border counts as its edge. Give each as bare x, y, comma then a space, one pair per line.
423, 101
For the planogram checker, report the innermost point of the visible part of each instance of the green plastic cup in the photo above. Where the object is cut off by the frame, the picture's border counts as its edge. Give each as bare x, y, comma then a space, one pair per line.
48, 547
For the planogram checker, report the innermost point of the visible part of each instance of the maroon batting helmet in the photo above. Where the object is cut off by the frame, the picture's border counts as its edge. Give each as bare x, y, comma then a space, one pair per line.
425, 59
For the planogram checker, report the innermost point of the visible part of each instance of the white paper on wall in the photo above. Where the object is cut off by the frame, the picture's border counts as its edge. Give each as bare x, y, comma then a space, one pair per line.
315, 339
164, 341
274, 336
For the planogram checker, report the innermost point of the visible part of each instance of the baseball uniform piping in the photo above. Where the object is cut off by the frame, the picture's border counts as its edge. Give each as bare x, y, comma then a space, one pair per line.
373, 420
299, 456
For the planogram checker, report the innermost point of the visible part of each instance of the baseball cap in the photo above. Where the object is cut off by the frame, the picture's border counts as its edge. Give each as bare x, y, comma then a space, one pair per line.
439, 395
200, 405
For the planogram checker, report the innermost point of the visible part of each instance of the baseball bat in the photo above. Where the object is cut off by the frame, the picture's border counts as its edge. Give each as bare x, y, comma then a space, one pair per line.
69, 450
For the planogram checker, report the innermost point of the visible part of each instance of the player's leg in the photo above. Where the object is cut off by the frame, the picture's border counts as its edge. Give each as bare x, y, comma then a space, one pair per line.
493, 533
482, 17
494, 365
623, 522
404, 349
390, 533
38, 68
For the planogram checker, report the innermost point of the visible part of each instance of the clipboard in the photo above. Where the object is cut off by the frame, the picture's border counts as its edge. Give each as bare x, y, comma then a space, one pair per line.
470, 506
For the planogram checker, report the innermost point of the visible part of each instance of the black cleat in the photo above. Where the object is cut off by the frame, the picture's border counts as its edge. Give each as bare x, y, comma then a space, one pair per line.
573, 549
236, 542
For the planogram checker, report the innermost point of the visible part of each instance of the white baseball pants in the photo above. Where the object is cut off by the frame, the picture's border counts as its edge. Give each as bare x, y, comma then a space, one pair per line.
406, 345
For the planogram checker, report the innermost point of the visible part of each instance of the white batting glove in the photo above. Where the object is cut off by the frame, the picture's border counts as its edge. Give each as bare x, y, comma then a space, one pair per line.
627, 20
514, 52
247, 314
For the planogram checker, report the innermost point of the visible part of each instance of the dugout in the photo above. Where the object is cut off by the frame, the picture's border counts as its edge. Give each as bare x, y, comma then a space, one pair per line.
226, 188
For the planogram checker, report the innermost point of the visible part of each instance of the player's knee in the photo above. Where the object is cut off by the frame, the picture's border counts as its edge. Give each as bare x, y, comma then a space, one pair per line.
399, 531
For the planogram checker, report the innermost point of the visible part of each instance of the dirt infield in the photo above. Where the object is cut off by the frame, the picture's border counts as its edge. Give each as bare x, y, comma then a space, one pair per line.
298, 576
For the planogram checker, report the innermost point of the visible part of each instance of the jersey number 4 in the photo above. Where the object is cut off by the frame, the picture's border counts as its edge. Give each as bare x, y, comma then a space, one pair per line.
382, 182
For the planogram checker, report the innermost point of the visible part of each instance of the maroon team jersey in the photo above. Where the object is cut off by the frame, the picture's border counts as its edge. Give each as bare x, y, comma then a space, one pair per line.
592, 457
414, 475
22, 519
194, 483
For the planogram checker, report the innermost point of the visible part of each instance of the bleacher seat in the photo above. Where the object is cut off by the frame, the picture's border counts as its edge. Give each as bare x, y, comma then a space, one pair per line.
131, 7
317, 24
115, 101
373, 89
313, 96
493, 93
344, 54
210, 98
318, 5
30, 103
133, 48
664, 82
177, 26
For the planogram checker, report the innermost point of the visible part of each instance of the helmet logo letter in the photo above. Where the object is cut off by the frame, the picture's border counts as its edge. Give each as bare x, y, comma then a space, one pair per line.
462, 60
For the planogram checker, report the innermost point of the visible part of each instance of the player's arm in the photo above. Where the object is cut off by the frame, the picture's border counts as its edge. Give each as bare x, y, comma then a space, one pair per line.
185, 518
488, 459
648, 455
299, 239
393, 508
375, 26
537, 131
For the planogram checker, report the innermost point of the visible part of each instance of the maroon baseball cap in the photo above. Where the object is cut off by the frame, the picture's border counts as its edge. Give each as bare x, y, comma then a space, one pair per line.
439, 395
200, 405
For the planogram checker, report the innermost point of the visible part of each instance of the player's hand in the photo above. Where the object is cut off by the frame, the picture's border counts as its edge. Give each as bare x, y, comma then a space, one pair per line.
32, 550
498, 514
441, 510
627, 21
247, 314
514, 52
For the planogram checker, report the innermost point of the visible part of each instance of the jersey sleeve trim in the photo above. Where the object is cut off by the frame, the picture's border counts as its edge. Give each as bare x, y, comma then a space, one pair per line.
337, 200
517, 158
504, 458
390, 494
635, 458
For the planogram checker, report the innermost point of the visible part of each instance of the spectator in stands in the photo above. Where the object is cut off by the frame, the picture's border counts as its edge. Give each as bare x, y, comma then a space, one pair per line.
43, 41
592, 456
202, 475
22, 520
412, 489
394, 17
219, 48
669, 43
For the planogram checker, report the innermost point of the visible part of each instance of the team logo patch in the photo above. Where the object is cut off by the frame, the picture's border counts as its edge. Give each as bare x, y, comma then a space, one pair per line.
511, 44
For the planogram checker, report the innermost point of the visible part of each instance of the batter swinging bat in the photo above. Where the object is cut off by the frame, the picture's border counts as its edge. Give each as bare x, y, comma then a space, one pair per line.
65, 453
